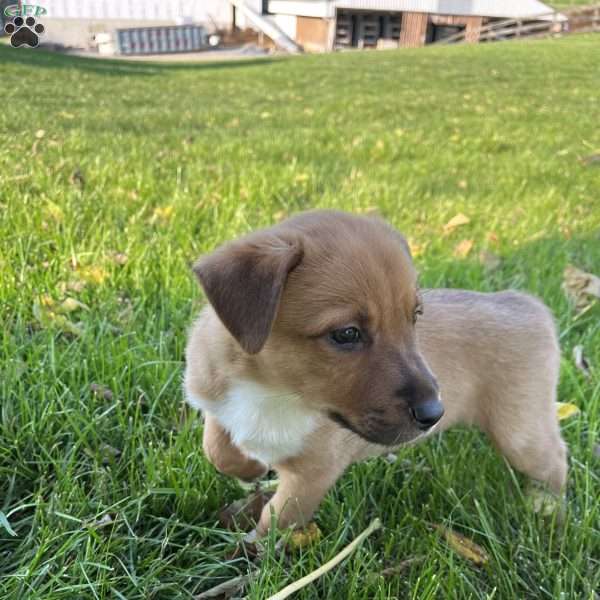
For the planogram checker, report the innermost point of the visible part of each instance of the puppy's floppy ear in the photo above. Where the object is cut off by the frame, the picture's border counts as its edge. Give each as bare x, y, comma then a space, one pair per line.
243, 280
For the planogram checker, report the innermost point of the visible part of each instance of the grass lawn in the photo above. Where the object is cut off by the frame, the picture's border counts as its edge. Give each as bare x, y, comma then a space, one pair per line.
115, 176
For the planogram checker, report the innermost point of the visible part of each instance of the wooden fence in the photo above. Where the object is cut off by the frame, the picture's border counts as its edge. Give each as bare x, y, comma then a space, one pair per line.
578, 19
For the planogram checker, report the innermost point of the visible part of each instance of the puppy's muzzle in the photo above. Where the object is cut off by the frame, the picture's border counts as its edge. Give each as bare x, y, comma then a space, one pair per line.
427, 413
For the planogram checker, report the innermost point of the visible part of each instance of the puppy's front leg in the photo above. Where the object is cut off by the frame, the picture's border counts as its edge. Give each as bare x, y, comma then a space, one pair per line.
225, 456
303, 483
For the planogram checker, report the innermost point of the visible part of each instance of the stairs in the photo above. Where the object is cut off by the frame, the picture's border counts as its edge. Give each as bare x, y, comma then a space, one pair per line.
267, 26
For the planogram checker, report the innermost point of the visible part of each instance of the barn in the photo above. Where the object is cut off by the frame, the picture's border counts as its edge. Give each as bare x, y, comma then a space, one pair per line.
321, 25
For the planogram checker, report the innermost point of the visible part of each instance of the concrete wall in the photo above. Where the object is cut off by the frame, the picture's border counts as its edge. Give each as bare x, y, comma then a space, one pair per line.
79, 33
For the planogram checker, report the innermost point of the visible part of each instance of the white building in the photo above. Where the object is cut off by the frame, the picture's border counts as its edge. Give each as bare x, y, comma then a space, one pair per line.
75, 23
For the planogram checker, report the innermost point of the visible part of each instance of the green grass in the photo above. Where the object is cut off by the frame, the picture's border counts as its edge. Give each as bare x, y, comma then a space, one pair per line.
110, 497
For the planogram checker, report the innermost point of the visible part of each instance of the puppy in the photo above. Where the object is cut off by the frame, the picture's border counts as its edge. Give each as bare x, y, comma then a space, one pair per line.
317, 349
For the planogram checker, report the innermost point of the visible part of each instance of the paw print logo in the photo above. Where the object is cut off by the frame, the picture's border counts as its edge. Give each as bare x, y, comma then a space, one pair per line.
24, 32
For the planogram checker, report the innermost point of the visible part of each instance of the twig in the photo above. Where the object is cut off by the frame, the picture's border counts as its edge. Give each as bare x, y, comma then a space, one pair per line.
338, 558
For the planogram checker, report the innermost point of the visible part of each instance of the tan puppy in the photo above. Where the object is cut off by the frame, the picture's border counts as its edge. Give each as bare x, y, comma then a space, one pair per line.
317, 350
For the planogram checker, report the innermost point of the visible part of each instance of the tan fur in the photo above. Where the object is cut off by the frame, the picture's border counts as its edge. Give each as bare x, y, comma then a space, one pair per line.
493, 357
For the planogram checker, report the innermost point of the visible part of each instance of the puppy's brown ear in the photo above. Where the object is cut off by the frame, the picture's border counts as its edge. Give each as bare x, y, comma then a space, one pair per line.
244, 280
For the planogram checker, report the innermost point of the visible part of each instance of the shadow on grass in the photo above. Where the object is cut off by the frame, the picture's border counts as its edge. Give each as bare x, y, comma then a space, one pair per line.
54, 60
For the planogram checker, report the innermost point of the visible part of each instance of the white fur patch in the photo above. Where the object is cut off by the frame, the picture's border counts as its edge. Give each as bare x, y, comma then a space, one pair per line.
267, 424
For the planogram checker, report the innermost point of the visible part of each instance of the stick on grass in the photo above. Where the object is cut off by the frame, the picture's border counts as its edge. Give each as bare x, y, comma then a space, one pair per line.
338, 558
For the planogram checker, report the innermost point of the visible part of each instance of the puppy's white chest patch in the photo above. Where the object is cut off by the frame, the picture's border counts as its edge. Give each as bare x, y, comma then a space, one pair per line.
268, 424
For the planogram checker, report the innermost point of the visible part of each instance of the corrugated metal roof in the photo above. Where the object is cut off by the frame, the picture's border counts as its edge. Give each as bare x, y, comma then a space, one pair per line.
488, 8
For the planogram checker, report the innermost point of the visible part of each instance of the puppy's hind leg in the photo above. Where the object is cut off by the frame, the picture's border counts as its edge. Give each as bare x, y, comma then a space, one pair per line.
525, 430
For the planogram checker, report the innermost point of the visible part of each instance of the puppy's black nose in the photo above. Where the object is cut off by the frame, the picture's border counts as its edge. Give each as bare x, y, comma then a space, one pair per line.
427, 413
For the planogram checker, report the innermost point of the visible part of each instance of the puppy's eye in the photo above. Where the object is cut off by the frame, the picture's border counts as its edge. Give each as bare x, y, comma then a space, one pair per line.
417, 312
345, 336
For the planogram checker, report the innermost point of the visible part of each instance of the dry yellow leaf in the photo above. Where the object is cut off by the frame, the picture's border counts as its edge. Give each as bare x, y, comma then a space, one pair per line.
464, 546
463, 248
93, 274
564, 410
162, 213
301, 538
456, 221
54, 211
69, 305
416, 249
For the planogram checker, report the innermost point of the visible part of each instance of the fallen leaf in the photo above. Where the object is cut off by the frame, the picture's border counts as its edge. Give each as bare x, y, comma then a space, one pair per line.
463, 248
229, 588
245, 512
489, 260
162, 214
75, 285
40, 133
69, 305
464, 546
581, 361
492, 237
101, 390
416, 248
93, 274
402, 566
48, 318
580, 287
302, 538
54, 211
457, 221
564, 410
77, 178
119, 258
